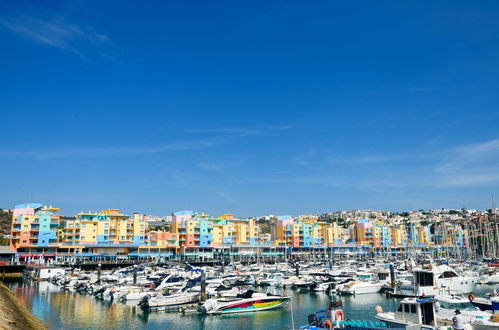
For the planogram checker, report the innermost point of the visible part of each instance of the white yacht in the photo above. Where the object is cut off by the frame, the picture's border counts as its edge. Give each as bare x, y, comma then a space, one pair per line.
440, 279
359, 287
363, 284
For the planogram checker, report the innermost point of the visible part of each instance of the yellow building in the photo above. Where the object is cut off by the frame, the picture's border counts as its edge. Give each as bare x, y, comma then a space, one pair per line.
104, 228
398, 235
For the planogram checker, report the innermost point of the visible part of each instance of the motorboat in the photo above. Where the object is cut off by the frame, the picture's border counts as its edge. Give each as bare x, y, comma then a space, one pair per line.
428, 283
490, 279
274, 279
446, 306
163, 303
324, 287
484, 302
412, 313
359, 287
249, 301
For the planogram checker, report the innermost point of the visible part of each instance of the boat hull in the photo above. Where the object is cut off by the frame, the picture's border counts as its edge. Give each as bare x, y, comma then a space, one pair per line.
360, 290
251, 306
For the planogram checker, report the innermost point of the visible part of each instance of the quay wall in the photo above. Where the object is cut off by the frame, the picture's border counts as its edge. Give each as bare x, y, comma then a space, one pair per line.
15, 315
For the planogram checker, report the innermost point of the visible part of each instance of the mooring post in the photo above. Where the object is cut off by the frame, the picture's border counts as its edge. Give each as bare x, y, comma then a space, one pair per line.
99, 267
135, 269
392, 275
203, 285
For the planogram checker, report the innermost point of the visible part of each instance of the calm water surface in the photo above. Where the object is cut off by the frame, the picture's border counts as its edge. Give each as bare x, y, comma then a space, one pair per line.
66, 310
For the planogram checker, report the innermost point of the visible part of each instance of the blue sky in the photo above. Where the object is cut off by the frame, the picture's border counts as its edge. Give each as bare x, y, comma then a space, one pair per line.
250, 107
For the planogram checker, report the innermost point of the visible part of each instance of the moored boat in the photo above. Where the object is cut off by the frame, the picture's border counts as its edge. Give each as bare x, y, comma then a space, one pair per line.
359, 287
250, 301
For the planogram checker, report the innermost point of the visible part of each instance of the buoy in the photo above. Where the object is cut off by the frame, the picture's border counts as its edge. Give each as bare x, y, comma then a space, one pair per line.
339, 315
471, 297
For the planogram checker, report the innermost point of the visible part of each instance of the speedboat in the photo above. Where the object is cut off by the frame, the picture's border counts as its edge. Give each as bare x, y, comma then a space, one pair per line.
249, 301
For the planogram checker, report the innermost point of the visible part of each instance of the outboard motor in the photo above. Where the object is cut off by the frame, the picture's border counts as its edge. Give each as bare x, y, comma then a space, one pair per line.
248, 294
144, 303
98, 293
313, 320
495, 305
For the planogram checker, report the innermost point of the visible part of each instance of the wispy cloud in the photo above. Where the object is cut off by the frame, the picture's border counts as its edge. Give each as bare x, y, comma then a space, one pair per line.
222, 136
323, 180
210, 166
239, 131
467, 165
328, 157
112, 151
470, 164
55, 32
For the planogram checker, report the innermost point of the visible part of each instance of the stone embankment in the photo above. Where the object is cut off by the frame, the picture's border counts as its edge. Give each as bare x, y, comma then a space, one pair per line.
14, 315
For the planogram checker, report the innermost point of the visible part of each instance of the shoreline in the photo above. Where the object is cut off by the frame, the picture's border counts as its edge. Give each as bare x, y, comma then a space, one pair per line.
14, 314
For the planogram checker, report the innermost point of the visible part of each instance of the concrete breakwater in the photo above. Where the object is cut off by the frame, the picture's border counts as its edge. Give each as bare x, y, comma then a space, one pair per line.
14, 315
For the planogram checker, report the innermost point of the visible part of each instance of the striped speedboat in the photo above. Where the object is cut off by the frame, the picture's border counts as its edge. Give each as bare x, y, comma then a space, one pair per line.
248, 302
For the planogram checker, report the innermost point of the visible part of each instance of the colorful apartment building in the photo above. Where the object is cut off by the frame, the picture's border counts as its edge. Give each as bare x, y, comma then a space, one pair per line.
39, 230
305, 233
202, 231
162, 238
398, 235
33, 226
362, 232
109, 227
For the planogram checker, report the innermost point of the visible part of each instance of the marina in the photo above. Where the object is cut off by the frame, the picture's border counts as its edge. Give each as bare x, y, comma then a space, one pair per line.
379, 270
249, 165
265, 296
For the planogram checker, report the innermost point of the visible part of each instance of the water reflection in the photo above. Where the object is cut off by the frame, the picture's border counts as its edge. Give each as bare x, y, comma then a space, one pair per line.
60, 309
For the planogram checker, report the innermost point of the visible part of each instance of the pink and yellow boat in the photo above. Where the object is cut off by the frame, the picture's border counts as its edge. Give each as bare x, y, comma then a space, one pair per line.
248, 302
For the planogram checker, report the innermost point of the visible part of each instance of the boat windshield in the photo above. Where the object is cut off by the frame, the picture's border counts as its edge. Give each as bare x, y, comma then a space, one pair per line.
466, 306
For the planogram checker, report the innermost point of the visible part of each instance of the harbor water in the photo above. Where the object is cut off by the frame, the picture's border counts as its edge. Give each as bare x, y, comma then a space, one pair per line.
59, 309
